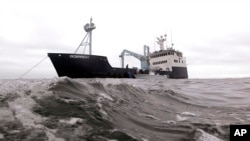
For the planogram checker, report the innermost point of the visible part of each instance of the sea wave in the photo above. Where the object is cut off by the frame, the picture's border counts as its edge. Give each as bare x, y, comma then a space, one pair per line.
112, 110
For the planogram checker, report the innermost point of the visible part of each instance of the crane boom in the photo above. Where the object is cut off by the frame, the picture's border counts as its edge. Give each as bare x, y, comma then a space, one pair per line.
143, 58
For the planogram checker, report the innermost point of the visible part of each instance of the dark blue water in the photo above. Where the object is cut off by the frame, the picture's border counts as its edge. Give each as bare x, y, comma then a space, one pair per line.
148, 109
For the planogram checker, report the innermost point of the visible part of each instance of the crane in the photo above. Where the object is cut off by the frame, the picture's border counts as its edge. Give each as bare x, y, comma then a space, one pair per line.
143, 58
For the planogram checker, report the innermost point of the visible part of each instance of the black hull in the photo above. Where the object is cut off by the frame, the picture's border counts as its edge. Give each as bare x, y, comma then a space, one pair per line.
87, 66
179, 72
93, 66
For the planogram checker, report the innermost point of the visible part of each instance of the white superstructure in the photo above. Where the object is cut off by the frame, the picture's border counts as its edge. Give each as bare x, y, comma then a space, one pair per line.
167, 62
164, 60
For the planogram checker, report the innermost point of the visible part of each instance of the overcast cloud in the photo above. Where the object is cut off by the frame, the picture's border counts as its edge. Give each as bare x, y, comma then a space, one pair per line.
214, 35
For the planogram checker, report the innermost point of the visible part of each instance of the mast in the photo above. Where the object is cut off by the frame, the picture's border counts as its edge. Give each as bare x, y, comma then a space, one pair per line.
90, 37
88, 28
172, 44
161, 41
165, 35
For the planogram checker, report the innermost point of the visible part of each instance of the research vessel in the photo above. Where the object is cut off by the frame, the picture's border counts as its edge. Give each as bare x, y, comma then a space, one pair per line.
167, 62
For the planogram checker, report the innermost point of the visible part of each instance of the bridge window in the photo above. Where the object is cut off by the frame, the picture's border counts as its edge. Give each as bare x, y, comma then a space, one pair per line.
160, 62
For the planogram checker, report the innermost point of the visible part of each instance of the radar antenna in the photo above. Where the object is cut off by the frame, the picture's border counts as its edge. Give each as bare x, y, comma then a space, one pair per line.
160, 41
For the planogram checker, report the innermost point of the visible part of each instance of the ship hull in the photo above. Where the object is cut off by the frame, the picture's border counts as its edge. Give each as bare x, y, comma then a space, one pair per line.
87, 66
93, 66
176, 73
179, 72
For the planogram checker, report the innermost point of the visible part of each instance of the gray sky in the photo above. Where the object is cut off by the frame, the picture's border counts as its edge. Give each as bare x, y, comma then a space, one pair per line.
214, 35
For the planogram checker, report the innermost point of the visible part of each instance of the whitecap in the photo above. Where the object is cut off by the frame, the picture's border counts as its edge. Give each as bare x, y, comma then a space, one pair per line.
143, 139
180, 118
22, 108
150, 116
188, 114
99, 99
106, 96
239, 119
72, 121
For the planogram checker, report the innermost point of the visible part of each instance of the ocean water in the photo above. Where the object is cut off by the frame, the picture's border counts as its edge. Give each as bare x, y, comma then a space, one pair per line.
145, 109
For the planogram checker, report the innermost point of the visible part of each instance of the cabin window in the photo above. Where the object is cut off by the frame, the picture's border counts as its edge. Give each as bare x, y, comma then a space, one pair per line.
176, 61
160, 62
